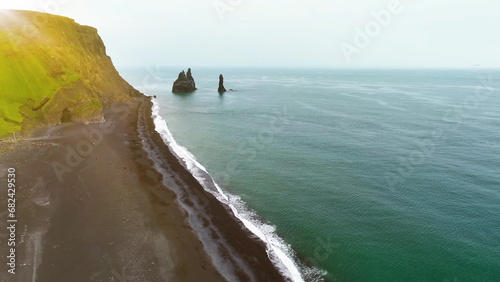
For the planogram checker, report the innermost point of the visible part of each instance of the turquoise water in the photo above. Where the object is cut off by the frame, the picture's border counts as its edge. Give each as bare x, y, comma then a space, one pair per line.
370, 175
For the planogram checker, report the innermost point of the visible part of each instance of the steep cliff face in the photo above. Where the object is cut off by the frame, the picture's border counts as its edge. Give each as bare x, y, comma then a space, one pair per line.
53, 70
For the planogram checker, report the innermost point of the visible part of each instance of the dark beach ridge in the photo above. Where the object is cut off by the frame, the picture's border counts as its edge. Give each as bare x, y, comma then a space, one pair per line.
110, 201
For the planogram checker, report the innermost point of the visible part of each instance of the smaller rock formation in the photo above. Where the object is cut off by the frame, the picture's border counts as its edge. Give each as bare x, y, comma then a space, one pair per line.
221, 84
184, 83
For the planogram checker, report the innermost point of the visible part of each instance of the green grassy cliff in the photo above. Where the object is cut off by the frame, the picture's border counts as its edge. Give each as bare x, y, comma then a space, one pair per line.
53, 70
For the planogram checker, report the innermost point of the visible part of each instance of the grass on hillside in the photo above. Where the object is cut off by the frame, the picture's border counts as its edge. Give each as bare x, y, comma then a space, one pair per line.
37, 59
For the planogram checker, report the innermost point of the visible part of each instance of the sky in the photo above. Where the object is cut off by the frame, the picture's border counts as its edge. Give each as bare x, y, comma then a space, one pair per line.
289, 33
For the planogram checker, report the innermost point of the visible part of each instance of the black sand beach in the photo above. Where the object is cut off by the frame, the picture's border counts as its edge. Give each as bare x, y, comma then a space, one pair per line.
91, 206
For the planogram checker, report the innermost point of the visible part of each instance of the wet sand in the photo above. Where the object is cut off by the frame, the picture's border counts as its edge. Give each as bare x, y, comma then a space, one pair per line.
91, 206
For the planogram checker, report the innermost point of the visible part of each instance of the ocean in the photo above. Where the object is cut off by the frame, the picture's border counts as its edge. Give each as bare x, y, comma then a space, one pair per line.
364, 175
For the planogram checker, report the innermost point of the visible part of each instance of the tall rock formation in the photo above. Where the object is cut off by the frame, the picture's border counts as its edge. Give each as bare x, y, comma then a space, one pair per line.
221, 84
184, 83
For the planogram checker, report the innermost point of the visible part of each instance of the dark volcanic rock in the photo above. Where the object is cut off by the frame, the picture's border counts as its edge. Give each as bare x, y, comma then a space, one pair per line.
184, 83
221, 84
190, 78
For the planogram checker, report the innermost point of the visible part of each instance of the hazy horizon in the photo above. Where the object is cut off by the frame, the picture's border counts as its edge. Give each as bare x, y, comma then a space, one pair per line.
327, 34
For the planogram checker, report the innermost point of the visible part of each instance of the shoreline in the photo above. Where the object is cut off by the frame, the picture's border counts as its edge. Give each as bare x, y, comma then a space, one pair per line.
92, 206
235, 244
280, 254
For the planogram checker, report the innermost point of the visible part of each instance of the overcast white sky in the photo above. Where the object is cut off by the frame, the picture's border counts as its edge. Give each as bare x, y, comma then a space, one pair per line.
316, 33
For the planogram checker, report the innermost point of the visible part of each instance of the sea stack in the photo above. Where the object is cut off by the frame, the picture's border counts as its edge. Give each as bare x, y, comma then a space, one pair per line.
184, 83
221, 84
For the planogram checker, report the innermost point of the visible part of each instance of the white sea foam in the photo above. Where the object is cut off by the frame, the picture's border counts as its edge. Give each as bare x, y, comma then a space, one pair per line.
277, 250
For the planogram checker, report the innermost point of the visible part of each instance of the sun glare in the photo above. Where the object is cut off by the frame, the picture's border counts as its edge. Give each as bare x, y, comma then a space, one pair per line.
7, 5
5, 15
